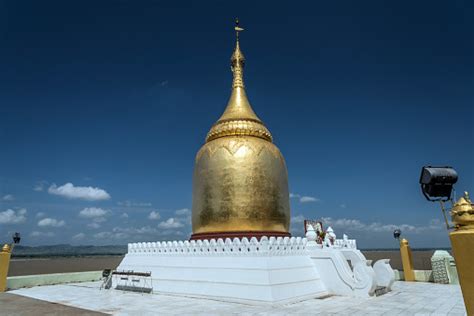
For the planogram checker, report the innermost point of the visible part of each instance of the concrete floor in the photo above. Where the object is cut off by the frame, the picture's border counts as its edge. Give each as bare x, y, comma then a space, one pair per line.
16, 305
407, 298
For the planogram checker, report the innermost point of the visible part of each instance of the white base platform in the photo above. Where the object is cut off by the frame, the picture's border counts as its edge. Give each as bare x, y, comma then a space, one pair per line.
269, 270
275, 270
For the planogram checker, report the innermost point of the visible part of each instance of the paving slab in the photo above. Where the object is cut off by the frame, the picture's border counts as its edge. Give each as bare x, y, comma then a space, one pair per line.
16, 305
407, 298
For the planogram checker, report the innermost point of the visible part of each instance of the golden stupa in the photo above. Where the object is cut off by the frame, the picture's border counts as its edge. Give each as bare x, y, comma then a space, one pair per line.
240, 182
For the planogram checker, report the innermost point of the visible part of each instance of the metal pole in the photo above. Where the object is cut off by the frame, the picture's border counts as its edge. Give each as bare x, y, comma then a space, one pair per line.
443, 209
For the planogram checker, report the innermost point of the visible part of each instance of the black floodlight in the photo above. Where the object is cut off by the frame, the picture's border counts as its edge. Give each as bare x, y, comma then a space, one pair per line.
396, 233
16, 238
106, 273
437, 182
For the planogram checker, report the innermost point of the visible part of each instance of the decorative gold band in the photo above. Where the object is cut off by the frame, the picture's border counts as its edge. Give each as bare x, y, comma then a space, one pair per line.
239, 128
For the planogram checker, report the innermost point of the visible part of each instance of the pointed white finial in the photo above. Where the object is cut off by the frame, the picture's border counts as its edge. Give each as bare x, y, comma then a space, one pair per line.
311, 233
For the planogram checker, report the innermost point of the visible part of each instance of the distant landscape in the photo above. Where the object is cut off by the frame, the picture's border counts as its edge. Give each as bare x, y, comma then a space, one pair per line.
67, 258
66, 250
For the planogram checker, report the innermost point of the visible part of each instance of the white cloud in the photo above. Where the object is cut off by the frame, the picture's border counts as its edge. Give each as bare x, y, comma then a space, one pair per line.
342, 205
130, 234
96, 214
304, 198
111, 235
94, 225
170, 223
129, 203
376, 227
436, 223
52, 222
79, 236
154, 215
183, 216
41, 234
70, 191
124, 215
183, 212
99, 219
103, 235
93, 212
8, 197
297, 219
39, 186
11, 217
135, 231
40, 214
173, 232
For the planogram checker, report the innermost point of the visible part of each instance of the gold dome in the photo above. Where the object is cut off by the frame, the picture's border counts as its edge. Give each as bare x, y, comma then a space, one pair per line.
240, 182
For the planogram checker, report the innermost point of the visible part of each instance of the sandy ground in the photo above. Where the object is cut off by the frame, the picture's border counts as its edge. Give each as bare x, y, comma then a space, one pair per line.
60, 265
421, 261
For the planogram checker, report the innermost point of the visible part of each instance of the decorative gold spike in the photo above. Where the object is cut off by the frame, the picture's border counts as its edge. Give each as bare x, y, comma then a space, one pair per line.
238, 117
237, 61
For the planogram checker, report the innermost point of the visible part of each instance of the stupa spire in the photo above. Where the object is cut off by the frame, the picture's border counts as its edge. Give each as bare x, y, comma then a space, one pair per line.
240, 182
237, 60
238, 117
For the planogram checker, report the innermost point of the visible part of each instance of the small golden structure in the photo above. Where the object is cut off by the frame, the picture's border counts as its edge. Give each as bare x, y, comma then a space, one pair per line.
6, 248
407, 260
4, 265
462, 241
462, 213
240, 181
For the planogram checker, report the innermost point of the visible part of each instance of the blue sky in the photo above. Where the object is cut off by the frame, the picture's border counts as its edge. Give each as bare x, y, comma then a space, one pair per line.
104, 104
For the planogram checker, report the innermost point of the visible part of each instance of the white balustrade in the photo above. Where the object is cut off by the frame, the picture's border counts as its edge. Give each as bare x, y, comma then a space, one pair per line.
236, 246
345, 243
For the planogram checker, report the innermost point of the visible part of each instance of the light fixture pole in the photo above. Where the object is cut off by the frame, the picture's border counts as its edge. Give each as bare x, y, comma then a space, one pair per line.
437, 184
407, 258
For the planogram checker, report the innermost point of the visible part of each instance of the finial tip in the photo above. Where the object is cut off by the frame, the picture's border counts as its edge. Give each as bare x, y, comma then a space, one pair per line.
237, 28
